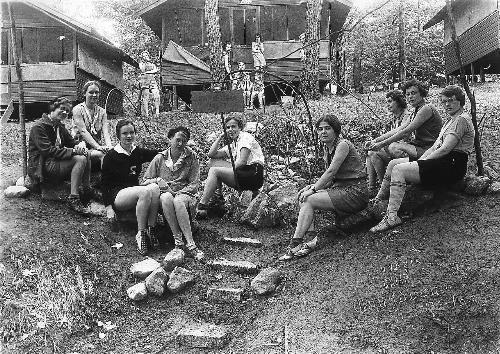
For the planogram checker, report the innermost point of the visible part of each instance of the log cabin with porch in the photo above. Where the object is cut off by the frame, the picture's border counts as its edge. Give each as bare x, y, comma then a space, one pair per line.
280, 23
58, 55
477, 24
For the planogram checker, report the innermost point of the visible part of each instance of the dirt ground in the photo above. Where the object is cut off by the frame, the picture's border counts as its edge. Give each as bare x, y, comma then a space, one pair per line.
430, 286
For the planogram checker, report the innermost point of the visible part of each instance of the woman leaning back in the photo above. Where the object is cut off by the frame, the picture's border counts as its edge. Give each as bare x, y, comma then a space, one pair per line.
341, 188
121, 191
444, 163
177, 172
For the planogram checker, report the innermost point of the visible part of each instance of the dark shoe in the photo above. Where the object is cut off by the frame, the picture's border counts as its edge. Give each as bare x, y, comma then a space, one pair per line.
142, 242
153, 237
201, 211
87, 194
75, 204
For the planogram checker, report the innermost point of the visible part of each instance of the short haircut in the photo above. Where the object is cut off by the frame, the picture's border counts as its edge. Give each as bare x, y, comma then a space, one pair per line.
121, 123
422, 88
454, 90
398, 96
181, 129
91, 83
58, 102
332, 121
237, 119
258, 35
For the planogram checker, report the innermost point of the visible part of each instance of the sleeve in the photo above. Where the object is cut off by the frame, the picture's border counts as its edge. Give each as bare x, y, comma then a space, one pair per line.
107, 178
153, 169
458, 128
194, 178
247, 141
225, 149
47, 148
79, 119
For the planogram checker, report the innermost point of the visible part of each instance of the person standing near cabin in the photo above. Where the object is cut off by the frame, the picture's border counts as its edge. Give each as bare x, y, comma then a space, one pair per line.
245, 84
258, 53
228, 61
90, 123
258, 90
150, 94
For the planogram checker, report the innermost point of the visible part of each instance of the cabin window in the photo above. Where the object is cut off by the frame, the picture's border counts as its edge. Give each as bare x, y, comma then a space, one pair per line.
4, 41
57, 45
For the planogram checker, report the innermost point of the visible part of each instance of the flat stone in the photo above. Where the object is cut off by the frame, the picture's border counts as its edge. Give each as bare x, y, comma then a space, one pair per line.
156, 282
173, 259
180, 278
20, 182
244, 267
494, 188
143, 268
476, 185
243, 241
224, 294
266, 281
137, 292
203, 336
16, 192
97, 209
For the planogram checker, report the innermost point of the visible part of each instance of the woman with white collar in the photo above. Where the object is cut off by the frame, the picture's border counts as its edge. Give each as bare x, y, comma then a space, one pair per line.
177, 172
120, 184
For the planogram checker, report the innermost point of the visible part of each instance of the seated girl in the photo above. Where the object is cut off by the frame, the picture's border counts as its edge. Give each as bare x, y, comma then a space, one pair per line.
120, 184
341, 188
248, 160
425, 123
443, 164
377, 160
177, 172
90, 123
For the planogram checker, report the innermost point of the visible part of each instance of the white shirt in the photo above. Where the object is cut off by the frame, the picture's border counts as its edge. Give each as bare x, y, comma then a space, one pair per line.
246, 140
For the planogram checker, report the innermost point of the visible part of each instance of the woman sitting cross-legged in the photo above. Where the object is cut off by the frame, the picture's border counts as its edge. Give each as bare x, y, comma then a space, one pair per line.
121, 191
177, 172
341, 188
443, 164
377, 160
249, 164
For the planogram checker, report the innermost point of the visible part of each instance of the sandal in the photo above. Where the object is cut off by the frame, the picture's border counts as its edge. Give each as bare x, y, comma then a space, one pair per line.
295, 245
304, 250
385, 224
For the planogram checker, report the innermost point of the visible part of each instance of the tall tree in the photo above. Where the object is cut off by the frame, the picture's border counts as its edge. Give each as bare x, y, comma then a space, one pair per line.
401, 43
310, 71
214, 42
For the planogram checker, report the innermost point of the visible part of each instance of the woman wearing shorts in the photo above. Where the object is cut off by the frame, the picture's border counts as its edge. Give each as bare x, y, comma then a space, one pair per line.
248, 160
443, 164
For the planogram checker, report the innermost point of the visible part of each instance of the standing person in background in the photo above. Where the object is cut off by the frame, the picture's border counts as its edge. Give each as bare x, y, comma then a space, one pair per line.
90, 123
258, 53
228, 61
245, 84
258, 90
150, 94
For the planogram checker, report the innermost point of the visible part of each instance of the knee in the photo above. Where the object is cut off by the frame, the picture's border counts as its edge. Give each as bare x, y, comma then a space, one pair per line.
145, 193
179, 202
80, 159
155, 190
398, 170
394, 149
167, 198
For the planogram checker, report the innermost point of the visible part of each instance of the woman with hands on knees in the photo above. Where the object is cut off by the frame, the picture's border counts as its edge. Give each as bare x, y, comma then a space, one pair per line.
248, 160
120, 185
444, 163
90, 123
177, 172
341, 188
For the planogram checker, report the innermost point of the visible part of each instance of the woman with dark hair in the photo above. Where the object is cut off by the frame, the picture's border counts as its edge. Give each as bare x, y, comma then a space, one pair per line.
341, 188
54, 155
444, 163
377, 160
248, 161
177, 172
120, 184
90, 122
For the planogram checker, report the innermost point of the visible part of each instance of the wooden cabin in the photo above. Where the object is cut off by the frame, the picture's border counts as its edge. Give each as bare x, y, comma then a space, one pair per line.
280, 23
477, 24
58, 56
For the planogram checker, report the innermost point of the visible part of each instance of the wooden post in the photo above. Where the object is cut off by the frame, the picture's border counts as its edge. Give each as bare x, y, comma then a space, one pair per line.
472, 74
20, 83
481, 74
175, 102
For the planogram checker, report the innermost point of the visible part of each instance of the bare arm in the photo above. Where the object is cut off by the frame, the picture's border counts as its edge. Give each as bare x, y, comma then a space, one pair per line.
243, 157
215, 152
105, 131
450, 141
82, 129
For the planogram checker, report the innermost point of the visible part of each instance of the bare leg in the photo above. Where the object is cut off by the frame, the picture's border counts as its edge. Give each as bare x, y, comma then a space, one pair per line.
181, 202
79, 169
383, 192
400, 149
320, 200
379, 164
167, 205
138, 197
370, 170
155, 204
216, 175
401, 174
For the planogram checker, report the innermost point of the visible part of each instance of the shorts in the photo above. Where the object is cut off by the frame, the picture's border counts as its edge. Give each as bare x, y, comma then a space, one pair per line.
349, 198
250, 177
443, 171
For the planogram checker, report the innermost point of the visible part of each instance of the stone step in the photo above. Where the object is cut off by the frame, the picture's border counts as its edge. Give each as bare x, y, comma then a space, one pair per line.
203, 336
244, 267
243, 241
224, 294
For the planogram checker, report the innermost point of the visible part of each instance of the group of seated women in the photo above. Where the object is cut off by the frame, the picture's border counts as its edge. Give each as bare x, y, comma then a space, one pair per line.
417, 149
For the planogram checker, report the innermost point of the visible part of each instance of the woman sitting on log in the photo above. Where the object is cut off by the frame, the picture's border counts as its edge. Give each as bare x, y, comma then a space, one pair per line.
341, 188
377, 160
177, 172
443, 164
248, 160
120, 185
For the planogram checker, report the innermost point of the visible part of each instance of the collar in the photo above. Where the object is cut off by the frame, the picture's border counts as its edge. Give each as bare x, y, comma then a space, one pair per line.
46, 119
119, 149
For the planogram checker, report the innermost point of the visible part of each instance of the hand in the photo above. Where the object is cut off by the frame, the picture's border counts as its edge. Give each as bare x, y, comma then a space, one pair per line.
303, 196
80, 149
368, 144
110, 213
375, 147
162, 183
104, 148
309, 186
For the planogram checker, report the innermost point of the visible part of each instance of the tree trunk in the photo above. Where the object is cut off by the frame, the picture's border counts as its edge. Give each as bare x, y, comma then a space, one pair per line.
340, 66
401, 43
470, 95
214, 42
310, 70
356, 68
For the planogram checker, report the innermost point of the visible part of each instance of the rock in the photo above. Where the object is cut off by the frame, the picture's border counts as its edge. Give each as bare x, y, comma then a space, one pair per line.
20, 182
156, 282
491, 173
16, 192
143, 268
261, 212
243, 241
285, 198
494, 188
180, 278
266, 281
203, 336
224, 294
97, 209
476, 185
244, 267
137, 292
245, 199
173, 259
